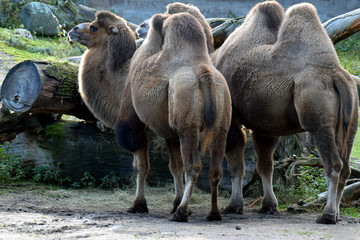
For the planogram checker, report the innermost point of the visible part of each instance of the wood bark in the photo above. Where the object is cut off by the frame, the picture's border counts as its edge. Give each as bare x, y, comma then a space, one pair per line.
343, 26
44, 87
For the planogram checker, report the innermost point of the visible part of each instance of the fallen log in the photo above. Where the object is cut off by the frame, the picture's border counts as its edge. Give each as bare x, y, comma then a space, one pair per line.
44, 87
351, 196
343, 26
221, 32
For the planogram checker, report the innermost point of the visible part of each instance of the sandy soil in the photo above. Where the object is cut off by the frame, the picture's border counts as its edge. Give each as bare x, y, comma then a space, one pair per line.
50, 214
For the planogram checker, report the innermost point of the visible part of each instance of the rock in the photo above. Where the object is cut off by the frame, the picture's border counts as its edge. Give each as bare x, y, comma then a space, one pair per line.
238, 227
75, 59
39, 19
23, 33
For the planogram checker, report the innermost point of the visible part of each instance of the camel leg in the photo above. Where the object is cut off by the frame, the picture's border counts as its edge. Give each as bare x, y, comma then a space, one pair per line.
192, 165
141, 166
130, 133
235, 147
333, 165
215, 173
177, 171
264, 148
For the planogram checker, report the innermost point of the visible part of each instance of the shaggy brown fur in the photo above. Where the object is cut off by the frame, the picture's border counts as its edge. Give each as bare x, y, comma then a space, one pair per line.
286, 78
176, 92
178, 7
105, 65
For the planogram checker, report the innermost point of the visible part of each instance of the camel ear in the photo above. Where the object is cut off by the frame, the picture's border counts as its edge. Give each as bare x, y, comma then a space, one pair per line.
112, 30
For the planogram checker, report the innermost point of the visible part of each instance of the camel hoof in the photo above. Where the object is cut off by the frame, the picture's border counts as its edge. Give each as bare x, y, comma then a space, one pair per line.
232, 210
179, 216
138, 208
269, 210
174, 210
326, 219
214, 217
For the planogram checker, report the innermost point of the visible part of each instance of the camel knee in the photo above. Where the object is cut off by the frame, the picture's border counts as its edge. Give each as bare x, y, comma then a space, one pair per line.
215, 175
129, 137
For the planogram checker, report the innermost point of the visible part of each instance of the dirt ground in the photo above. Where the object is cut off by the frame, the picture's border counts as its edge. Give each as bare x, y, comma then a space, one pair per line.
52, 214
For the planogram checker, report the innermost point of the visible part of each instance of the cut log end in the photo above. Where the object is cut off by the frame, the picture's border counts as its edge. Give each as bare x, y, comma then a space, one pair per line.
21, 87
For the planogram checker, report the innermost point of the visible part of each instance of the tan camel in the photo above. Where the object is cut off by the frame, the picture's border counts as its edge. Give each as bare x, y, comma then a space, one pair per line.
284, 77
174, 89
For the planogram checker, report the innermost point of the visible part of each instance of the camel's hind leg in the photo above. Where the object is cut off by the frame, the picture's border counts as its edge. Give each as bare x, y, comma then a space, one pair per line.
192, 167
333, 165
215, 173
177, 171
264, 148
235, 147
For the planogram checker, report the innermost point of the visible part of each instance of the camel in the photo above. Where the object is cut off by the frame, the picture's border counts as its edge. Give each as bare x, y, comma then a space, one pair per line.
284, 77
102, 79
104, 66
174, 90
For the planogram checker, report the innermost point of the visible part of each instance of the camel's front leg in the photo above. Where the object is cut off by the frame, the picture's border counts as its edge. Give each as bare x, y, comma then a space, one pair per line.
141, 166
192, 166
130, 134
264, 149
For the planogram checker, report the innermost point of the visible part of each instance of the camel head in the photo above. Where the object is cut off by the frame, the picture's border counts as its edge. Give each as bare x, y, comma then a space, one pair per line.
108, 32
143, 29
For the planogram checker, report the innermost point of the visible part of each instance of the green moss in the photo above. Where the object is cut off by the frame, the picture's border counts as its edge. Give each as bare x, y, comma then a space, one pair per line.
54, 131
66, 73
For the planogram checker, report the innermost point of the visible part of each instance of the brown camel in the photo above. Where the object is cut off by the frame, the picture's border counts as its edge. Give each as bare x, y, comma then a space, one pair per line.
284, 77
174, 89
105, 64
102, 79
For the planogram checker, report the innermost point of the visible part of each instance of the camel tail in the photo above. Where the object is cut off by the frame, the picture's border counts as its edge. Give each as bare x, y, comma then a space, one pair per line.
347, 116
207, 87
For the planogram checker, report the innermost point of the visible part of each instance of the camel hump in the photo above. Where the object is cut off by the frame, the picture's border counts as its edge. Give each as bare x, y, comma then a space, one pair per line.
346, 88
208, 88
157, 22
183, 30
273, 14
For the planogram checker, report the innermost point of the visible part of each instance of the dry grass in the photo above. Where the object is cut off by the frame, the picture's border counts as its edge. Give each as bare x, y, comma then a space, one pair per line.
121, 199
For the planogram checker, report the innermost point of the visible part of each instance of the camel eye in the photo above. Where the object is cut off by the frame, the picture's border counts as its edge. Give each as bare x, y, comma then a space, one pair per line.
93, 28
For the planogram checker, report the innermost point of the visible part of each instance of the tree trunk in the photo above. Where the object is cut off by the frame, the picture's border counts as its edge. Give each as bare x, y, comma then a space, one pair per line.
44, 87
343, 26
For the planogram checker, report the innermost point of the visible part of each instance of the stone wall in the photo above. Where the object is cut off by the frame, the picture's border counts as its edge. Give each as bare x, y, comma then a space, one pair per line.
138, 10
